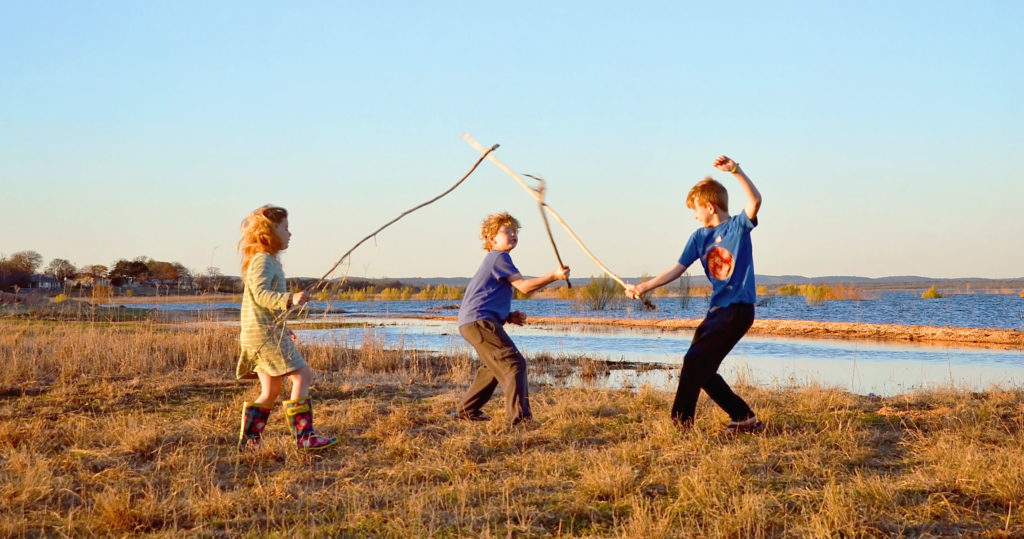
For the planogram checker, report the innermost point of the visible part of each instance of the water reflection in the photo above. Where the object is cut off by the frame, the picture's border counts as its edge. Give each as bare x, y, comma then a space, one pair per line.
859, 367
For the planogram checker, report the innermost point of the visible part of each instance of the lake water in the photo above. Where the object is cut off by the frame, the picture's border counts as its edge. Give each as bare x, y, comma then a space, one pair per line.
1003, 311
860, 367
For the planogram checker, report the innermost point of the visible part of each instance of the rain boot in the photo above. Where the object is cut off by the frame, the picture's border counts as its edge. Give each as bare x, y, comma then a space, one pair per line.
254, 420
300, 421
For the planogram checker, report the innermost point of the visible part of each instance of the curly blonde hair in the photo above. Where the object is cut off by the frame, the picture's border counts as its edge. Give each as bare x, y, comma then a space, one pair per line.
493, 223
708, 190
259, 234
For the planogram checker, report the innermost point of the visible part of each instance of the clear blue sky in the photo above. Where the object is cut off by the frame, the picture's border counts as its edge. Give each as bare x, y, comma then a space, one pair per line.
884, 136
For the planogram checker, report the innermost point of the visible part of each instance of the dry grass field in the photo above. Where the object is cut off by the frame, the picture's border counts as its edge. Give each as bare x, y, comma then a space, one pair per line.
116, 429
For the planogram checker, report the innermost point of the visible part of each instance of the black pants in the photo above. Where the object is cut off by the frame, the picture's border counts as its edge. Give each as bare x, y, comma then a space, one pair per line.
502, 364
714, 338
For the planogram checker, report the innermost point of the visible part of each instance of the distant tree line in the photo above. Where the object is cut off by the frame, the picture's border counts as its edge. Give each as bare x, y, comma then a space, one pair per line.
25, 269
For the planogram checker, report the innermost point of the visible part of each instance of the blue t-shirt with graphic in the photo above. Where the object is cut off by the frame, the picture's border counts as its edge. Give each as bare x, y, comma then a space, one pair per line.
726, 253
489, 293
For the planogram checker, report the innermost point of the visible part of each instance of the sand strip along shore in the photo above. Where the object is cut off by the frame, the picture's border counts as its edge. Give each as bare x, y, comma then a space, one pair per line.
951, 336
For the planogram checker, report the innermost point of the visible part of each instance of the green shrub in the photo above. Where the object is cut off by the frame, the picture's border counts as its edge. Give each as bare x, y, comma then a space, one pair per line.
599, 293
353, 295
815, 294
441, 291
931, 293
102, 292
789, 290
396, 294
684, 290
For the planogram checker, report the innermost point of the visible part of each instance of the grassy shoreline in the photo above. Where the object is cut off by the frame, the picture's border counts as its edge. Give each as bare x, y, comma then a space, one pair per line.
129, 428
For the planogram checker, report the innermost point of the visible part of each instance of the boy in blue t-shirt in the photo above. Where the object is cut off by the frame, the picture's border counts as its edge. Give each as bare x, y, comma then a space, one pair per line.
486, 307
723, 246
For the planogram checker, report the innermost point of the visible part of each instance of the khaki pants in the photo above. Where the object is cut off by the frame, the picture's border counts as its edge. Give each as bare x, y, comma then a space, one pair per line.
502, 365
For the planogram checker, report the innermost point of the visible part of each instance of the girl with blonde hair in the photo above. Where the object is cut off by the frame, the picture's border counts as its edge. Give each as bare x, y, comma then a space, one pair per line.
268, 350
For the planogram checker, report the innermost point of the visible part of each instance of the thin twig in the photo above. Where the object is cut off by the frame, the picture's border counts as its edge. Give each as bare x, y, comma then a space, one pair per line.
406, 212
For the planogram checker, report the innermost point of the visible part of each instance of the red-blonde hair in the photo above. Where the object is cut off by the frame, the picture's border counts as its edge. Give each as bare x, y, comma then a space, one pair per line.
259, 234
492, 225
708, 190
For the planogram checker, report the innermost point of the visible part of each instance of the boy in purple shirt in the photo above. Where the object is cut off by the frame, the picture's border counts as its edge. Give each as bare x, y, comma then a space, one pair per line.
723, 246
486, 307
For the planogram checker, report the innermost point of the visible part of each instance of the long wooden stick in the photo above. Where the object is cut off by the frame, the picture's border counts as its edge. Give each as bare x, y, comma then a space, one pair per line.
476, 146
547, 226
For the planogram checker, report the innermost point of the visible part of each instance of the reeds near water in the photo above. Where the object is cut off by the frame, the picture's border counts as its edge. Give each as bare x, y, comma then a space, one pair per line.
129, 428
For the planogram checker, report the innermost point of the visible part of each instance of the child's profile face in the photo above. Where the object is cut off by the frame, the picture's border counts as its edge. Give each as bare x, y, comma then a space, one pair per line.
505, 239
282, 233
703, 212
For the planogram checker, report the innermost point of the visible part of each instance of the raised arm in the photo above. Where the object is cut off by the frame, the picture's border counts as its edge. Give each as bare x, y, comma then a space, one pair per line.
665, 277
753, 195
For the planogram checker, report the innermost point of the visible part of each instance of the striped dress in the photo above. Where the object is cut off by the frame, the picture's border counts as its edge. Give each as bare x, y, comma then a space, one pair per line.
266, 346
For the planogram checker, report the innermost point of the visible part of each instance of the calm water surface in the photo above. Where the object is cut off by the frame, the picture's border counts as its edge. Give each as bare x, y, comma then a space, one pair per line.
860, 367
1003, 311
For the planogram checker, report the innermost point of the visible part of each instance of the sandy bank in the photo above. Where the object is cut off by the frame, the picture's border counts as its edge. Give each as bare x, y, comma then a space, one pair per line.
1002, 338
987, 338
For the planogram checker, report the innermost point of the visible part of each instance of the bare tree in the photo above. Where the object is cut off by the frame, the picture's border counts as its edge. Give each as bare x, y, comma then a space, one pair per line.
61, 269
684, 290
211, 280
27, 261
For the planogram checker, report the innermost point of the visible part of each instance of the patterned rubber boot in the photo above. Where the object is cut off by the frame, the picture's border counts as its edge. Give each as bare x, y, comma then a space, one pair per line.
254, 420
300, 421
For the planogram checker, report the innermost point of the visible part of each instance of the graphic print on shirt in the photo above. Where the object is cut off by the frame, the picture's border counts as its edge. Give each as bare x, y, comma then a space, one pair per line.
720, 263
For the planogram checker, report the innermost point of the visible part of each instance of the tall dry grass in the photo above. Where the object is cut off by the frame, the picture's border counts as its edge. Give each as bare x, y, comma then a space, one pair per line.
125, 429
817, 294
